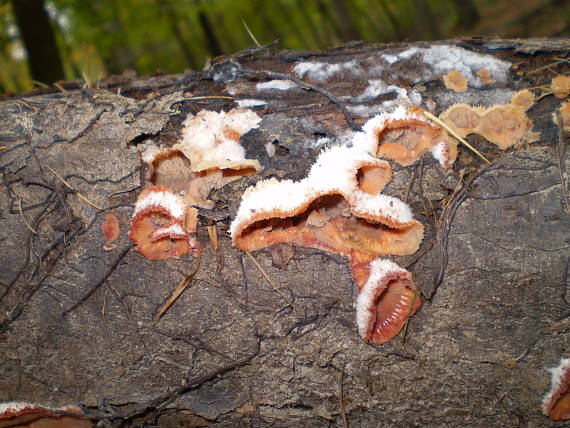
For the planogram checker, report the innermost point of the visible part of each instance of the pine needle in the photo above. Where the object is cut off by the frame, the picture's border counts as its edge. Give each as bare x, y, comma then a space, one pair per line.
207, 97
213, 234
179, 290
258, 266
410, 308
79, 195
24, 217
250, 33
452, 132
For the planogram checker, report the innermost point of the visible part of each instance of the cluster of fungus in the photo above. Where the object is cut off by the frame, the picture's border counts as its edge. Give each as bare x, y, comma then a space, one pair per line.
339, 208
503, 125
180, 177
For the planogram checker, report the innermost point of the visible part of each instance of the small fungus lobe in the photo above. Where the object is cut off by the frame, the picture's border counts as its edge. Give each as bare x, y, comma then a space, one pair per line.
385, 301
455, 81
160, 227
485, 76
560, 86
556, 402
405, 136
110, 230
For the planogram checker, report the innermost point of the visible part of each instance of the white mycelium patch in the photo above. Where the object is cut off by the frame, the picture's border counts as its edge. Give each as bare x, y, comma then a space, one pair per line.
559, 381
247, 103
211, 139
279, 85
174, 231
444, 58
382, 271
322, 71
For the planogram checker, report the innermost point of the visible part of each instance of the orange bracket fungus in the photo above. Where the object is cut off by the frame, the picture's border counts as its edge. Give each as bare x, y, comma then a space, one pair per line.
386, 300
455, 81
162, 224
180, 177
338, 208
503, 125
556, 402
21, 414
405, 136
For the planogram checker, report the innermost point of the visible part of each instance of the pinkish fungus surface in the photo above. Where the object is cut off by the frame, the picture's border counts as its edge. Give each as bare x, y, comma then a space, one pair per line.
405, 136
556, 402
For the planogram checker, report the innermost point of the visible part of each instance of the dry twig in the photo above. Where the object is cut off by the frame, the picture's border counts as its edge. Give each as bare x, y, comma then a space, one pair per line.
452, 132
179, 290
258, 266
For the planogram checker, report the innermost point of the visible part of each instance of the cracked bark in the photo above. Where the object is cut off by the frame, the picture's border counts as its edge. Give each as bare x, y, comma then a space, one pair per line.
77, 322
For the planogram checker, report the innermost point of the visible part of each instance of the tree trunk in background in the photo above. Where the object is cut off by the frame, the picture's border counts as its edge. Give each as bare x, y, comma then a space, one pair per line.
77, 322
467, 13
209, 33
39, 40
426, 23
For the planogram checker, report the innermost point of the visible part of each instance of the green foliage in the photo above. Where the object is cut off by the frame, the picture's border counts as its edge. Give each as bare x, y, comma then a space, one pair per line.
101, 37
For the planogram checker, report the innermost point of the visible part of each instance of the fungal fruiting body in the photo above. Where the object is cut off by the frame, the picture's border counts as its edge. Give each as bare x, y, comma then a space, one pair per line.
180, 177
455, 81
560, 86
503, 125
556, 402
329, 209
110, 229
31, 415
405, 136
338, 208
162, 224
386, 300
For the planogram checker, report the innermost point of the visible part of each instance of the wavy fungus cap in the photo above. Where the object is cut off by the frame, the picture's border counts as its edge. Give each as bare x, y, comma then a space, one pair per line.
337, 208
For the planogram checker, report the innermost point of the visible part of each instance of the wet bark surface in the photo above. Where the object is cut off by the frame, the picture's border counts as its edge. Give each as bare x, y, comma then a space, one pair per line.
77, 324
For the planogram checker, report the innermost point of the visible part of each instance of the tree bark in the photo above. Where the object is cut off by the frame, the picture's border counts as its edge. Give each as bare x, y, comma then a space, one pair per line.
77, 322
39, 40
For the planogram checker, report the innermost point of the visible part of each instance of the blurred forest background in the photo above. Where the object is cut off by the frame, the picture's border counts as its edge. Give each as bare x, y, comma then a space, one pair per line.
44, 41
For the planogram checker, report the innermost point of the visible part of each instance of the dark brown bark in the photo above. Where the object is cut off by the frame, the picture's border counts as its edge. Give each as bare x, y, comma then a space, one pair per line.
77, 323
39, 40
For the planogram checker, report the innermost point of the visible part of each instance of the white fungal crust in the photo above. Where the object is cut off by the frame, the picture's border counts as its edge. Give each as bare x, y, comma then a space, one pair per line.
559, 384
161, 199
382, 272
210, 139
181, 177
334, 173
